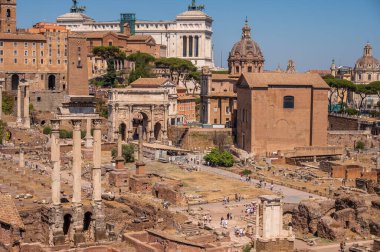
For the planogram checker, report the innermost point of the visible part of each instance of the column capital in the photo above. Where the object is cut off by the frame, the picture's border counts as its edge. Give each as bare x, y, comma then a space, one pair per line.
97, 123
55, 123
76, 123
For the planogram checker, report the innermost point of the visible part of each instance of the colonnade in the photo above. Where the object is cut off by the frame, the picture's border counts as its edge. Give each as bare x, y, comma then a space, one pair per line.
23, 118
190, 46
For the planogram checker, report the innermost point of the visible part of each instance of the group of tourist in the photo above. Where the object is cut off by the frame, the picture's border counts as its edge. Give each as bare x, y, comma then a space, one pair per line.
206, 219
239, 231
250, 209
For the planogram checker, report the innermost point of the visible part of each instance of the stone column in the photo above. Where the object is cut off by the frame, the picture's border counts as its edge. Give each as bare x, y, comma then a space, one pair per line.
100, 225
77, 190
56, 160
1, 101
19, 118
77, 162
140, 165
165, 130
21, 163
151, 126
120, 162
130, 126
89, 138
26, 107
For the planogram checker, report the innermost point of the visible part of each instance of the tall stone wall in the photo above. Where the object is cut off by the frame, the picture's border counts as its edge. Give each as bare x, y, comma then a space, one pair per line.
47, 100
199, 138
342, 123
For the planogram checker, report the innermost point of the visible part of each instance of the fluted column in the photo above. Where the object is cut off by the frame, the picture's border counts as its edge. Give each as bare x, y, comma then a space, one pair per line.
89, 138
26, 107
19, 118
56, 160
77, 162
96, 171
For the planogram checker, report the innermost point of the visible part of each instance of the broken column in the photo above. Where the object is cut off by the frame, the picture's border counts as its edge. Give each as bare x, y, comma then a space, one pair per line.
77, 177
19, 118
119, 160
88, 138
100, 225
26, 106
56, 236
1, 101
21, 163
140, 165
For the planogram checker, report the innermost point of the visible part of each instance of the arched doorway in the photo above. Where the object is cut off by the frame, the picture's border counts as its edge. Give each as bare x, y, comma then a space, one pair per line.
87, 226
15, 81
157, 131
122, 130
67, 225
51, 82
140, 119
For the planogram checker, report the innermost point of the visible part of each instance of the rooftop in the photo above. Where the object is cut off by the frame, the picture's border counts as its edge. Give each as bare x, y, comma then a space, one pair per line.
8, 211
155, 82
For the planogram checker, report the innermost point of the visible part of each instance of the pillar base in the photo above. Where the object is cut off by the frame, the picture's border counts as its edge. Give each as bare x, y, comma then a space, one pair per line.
140, 168
26, 124
100, 224
19, 122
89, 143
56, 236
78, 223
120, 163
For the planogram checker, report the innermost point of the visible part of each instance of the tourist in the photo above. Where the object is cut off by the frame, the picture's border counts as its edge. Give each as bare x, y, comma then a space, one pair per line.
221, 221
228, 216
209, 218
271, 186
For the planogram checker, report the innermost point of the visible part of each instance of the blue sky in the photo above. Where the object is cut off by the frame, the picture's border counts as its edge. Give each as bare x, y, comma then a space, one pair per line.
311, 32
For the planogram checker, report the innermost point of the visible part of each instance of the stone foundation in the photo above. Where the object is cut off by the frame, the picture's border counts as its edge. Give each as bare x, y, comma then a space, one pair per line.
278, 245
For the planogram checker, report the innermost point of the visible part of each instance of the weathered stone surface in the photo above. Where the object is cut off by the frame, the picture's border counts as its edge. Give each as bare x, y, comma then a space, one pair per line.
354, 202
330, 229
375, 204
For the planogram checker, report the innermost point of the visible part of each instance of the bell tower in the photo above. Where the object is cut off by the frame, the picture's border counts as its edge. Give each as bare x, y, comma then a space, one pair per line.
8, 16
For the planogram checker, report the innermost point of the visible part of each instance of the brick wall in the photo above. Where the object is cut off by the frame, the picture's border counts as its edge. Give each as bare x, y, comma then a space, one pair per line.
47, 100
342, 123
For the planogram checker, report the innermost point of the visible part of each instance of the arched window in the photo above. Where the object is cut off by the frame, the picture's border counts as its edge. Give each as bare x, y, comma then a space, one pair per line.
237, 69
51, 82
15, 81
8, 13
289, 102
184, 46
369, 77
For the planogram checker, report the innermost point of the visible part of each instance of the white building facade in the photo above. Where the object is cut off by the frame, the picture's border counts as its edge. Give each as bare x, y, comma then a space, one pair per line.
189, 36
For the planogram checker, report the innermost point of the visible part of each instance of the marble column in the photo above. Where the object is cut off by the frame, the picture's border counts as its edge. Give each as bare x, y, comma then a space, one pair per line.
151, 125
257, 228
100, 224
1, 102
26, 107
21, 163
96, 171
140, 165
89, 139
165, 130
56, 160
130, 126
19, 118
77, 162
120, 162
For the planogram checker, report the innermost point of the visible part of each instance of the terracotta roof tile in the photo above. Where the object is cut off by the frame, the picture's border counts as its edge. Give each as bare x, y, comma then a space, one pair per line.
225, 77
149, 82
22, 36
8, 211
284, 79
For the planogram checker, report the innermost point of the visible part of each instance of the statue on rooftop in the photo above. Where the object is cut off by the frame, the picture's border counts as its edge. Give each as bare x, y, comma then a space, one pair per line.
77, 9
194, 6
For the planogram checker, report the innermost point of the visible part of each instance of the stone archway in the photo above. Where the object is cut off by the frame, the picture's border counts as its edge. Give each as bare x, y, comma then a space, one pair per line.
157, 131
88, 227
15, 79
67, 229
140, 119
51, 82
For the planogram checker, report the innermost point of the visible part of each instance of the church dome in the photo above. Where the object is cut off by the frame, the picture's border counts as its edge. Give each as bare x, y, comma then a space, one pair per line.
246, 55
247, 47
367, 61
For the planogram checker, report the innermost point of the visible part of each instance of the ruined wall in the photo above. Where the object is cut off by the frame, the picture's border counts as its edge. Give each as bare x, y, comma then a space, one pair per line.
348, 139
280, 245
47, 100
35, 229
342, 123
200, 138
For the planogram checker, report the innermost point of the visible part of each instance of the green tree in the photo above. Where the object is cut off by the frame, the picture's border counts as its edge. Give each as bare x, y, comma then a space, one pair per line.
363, 91
46, 130
375, 86
143, 68
7, 104
109, 54
128, 152
218, 158
360, 145
182, 69
331, 81
3, 131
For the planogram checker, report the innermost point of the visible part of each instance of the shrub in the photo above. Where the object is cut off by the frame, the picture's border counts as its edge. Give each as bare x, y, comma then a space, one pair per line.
65, 134
247, 248
3, 131
360, 145
128, 152
351, 111
46, 130
7, 104
246, 172
218, 158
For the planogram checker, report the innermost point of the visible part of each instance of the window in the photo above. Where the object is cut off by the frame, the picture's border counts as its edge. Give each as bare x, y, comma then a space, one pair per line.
360, 76
34, 61
15, 52
42, 76
34, 44
42, 61
50, 61
42, 53
25, 53
26, 44
38, 99
369, 77
8, 13
110, 43
59, 62
237, 69
41, 45
14, 44
26, 61
289, 102
184, 46
249, 69
1, 43
1, 60
34, 53
15, 61
1, 52
228, 110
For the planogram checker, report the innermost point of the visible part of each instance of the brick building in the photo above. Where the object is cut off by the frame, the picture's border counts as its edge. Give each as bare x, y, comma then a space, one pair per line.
281, 111
186, 106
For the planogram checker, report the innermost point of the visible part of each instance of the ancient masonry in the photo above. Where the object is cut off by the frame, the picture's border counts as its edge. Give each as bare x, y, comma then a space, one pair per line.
23, 118
56, 235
